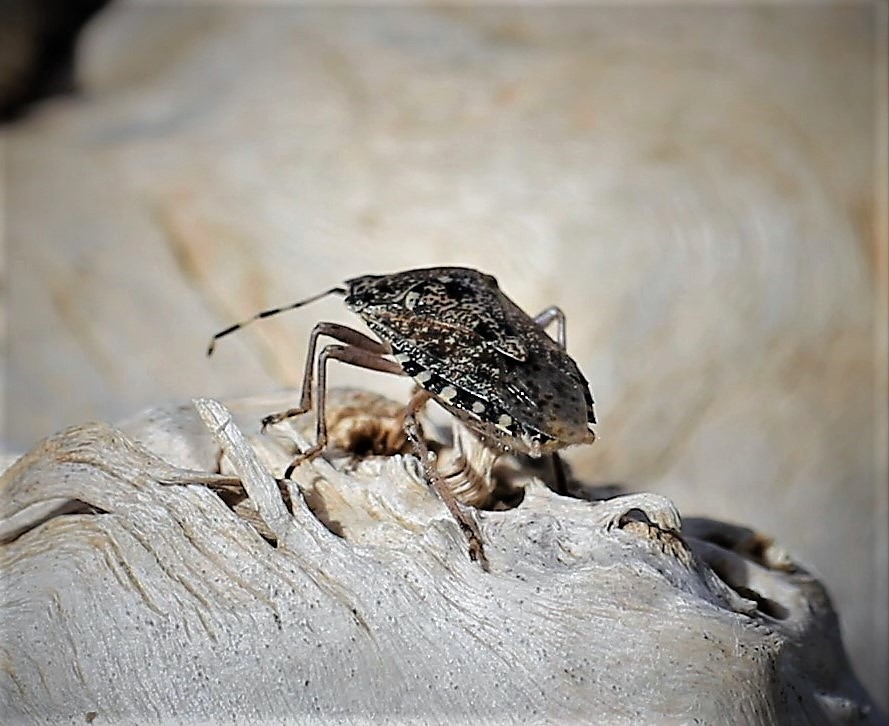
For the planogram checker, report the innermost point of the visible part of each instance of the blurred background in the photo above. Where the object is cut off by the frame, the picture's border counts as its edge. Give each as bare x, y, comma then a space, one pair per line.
700, 188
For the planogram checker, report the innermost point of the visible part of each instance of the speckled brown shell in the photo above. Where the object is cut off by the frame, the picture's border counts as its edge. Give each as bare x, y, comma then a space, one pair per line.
481, 356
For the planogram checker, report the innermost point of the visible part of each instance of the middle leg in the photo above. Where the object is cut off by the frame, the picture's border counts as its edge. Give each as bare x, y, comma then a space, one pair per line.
467, 524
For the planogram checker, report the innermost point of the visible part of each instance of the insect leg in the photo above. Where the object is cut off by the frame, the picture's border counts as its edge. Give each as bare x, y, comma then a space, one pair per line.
355, 356
543, 319
547, 316
338, 332
467, 524
560, 484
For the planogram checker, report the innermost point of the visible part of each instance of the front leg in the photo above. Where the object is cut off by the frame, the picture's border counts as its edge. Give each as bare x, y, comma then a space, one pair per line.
352, 355
342, 333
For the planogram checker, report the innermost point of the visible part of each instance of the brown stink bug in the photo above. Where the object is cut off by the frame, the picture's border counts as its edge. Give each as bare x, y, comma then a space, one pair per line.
468, 347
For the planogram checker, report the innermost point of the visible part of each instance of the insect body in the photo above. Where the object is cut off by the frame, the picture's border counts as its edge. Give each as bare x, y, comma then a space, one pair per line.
468, 347
480, 356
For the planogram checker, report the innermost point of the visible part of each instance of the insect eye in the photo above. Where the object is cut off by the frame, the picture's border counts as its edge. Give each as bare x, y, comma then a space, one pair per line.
366, 289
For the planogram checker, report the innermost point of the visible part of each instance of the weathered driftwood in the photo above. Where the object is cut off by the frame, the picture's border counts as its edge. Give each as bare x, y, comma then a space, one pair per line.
140, 587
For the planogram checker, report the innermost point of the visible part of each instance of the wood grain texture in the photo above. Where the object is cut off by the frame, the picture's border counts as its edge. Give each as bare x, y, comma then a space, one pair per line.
134, 593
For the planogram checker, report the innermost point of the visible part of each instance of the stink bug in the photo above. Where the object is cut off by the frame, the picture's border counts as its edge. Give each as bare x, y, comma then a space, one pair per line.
468, 347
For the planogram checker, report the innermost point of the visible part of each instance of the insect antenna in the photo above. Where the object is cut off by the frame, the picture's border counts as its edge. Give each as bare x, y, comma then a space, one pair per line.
270, 313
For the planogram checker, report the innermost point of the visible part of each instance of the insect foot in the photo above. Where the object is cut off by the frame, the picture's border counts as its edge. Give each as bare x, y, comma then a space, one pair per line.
468, 347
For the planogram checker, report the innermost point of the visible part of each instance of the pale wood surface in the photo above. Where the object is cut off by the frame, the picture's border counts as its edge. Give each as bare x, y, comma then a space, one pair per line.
132, 593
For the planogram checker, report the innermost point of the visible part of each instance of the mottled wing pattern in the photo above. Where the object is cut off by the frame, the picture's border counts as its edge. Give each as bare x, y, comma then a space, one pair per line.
461, 338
